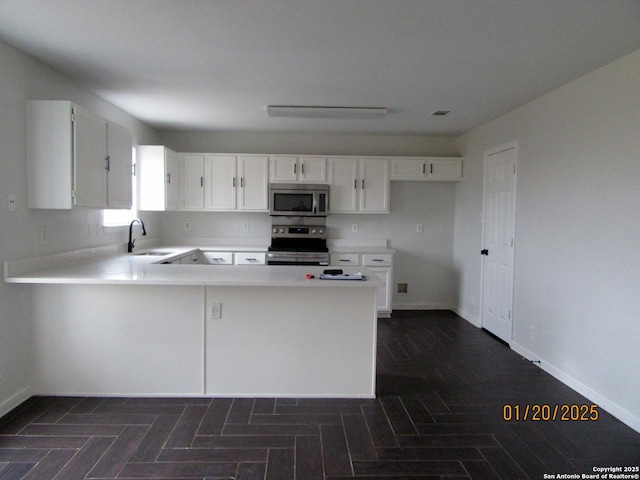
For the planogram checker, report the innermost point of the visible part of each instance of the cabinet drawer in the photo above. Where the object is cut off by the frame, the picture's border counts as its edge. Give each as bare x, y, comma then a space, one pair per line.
377, 260
218, 258
251, 258
345, 259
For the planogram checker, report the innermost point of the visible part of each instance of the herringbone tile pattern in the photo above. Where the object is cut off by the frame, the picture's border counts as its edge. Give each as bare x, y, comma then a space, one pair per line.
442, 385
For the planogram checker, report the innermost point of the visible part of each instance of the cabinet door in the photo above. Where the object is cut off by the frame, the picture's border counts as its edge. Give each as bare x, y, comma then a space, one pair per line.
193, 182
90, 159
171, 179
157, 178
408, 169
374, 185
283, 168
253, 173
343, 189
445, 170
383, 298
312, 169
220, 182
119, 177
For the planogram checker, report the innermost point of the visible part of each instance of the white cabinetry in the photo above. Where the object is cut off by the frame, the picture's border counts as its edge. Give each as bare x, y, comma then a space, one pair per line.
426, 168
251, 258
345, 259
382, 266
157, 177
253, 191
218, 258
76, 158
294, 168
220, 182
192, 182
358, 185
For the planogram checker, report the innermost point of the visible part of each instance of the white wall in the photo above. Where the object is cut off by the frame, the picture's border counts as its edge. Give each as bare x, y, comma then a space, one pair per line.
424, 260
23, 78
577, 266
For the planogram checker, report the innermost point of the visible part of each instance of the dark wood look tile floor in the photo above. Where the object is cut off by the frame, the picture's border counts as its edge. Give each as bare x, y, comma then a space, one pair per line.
442, 385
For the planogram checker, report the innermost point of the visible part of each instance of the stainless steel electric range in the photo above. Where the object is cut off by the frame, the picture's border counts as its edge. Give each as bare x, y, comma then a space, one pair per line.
298, 241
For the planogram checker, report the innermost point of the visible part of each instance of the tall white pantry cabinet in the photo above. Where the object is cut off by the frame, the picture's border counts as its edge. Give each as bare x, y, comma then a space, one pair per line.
76, 158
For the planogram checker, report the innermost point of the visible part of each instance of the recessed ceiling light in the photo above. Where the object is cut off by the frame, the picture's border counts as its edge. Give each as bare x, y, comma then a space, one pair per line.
441, 113
303, 111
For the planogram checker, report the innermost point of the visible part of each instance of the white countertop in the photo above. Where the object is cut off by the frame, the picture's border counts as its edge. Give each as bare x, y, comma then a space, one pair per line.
89, 267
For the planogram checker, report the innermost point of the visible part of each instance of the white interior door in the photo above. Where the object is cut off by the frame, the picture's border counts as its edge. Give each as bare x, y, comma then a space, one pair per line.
499, 241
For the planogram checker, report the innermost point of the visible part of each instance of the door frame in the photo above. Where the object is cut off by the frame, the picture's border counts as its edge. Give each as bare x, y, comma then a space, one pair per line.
487, 154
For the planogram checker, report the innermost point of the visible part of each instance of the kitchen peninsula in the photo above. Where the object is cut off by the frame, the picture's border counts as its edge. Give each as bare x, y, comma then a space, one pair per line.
107, 323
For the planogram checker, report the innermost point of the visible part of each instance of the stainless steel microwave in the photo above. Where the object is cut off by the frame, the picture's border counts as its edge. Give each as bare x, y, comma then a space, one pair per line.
299, 199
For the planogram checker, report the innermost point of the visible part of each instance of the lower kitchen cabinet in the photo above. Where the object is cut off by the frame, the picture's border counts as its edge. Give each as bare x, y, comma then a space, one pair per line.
251, 258
381, 265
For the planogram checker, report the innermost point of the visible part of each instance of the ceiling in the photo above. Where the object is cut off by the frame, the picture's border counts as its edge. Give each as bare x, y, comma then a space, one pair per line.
217, 64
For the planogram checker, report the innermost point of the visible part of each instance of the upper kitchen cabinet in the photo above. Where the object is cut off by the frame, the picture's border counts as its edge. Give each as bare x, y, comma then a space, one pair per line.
426, 168
295, 168
225, 182
76, 158
191, 193
157, 178
358, 185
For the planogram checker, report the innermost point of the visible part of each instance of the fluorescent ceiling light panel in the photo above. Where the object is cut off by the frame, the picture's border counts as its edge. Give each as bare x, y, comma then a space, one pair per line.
298, 111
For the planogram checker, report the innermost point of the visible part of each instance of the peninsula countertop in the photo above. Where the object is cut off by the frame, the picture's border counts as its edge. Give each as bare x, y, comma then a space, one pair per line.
104, 267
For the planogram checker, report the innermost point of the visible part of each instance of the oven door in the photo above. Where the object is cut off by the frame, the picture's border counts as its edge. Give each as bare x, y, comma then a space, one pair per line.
297, 258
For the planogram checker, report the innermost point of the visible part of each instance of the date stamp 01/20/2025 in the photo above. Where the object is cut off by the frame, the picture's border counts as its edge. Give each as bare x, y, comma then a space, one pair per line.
569, 413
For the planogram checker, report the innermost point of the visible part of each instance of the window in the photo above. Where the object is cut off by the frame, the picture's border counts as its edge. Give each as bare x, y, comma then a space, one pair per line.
119, 218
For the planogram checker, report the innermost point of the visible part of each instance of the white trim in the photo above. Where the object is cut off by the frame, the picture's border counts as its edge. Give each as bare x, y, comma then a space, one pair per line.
603, 402
14, 400
422, 306
474, 320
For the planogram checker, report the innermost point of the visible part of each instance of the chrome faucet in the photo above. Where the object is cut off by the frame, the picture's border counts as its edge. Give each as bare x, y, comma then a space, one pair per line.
132, 242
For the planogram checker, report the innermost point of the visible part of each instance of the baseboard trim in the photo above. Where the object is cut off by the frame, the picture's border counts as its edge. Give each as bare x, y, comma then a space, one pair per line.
423, 306
603, 402
14, 400
472, 319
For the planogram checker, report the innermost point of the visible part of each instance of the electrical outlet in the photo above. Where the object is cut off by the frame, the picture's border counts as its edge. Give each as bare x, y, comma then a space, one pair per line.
215, 310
